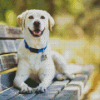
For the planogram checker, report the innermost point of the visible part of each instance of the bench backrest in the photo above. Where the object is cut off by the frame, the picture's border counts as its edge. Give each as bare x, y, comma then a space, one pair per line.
10, 39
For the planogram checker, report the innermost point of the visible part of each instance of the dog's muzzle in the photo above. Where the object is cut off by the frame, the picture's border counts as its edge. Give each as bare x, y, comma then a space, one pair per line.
36, 32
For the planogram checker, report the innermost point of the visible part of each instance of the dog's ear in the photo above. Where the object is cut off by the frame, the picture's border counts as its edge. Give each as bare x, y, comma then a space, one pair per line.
51, 21
21, 19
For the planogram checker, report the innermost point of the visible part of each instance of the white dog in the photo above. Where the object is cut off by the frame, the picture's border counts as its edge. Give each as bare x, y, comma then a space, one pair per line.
36, 60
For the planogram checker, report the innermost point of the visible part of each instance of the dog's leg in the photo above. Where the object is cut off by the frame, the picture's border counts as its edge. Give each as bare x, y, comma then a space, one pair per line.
61, 66
46, 78
45, 82
21, 76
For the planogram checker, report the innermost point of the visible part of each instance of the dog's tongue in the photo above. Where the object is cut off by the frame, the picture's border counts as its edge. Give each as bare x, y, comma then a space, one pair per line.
37, 32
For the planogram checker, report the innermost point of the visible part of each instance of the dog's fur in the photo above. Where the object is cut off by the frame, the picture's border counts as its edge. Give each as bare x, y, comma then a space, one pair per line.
30, 64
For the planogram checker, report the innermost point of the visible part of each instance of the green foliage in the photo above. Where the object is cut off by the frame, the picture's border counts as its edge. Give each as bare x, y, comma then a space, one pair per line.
10, 18
38, 4
73, 18
76, 6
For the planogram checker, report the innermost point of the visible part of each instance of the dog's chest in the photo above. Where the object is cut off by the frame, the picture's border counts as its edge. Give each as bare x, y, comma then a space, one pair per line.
36, 61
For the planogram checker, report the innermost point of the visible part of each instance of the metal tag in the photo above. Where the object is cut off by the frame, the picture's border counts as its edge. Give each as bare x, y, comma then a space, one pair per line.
43, 57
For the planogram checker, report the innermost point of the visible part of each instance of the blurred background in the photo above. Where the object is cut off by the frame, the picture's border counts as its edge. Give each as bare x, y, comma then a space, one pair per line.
76, 34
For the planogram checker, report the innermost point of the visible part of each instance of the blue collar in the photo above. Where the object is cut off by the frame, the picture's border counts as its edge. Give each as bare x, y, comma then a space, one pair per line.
33, 49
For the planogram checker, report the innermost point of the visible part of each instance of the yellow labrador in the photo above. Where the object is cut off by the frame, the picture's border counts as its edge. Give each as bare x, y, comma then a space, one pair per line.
36, 60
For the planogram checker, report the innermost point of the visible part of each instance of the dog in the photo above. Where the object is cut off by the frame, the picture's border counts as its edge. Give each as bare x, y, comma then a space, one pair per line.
36, 60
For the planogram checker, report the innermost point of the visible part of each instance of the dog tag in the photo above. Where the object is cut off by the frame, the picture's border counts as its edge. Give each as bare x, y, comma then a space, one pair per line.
43, 57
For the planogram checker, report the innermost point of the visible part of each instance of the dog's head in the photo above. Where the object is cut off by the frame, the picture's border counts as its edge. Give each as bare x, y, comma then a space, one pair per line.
35, 22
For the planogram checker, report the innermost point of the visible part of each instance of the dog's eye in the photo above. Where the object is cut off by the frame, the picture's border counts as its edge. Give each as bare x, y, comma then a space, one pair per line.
42, 17
31, 17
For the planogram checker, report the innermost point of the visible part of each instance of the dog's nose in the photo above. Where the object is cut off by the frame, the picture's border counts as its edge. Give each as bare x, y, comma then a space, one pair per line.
36, 24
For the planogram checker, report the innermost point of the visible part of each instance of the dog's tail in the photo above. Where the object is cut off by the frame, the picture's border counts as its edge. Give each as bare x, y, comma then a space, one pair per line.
71, 68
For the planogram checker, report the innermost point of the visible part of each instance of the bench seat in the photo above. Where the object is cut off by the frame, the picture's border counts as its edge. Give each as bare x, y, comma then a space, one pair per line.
10, 39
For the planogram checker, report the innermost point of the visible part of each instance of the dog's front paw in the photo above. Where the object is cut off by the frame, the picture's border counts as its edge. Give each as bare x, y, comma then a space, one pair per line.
40, 89
26, 89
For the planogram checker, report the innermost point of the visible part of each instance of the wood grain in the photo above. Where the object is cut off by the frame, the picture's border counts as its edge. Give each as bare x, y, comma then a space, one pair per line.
52, 91
9, 46
9, 93
74, 89
6, 80
8, 61
10, 32
59, 90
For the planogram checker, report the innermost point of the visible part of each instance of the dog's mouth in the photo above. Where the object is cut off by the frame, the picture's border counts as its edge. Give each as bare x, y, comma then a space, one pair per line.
36, 32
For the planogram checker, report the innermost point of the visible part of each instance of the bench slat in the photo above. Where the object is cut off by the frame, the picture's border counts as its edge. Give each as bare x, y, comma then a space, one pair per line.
23, 96
74, 89
9, 46
32, 84
9, 93
10, 32
58, 90
8, 61
6, 80
52, 91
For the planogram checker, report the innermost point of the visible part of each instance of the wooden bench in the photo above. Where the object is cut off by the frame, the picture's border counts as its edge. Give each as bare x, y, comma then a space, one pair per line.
59, 90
